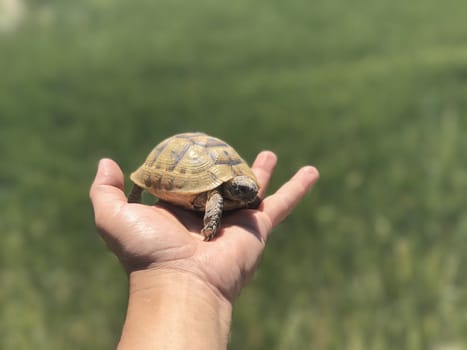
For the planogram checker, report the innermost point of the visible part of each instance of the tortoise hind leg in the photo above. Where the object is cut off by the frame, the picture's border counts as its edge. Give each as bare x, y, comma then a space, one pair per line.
135, 194
212, 215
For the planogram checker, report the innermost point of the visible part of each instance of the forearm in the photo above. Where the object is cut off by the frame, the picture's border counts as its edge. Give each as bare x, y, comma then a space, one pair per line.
171, 310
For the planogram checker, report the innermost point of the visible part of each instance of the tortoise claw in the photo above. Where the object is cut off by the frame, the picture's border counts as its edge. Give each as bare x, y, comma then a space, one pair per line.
209, 233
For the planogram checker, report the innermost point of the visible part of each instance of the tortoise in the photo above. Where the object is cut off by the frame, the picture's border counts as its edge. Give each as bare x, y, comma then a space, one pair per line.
197, 172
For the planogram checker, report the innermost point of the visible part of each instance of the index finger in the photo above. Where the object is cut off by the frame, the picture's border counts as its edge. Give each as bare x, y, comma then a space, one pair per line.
263, 168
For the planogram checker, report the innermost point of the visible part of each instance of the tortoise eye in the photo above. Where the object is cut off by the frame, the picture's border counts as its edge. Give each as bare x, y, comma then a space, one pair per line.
243, 189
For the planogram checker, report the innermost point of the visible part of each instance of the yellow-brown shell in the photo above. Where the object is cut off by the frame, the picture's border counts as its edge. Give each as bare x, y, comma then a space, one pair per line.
185, 165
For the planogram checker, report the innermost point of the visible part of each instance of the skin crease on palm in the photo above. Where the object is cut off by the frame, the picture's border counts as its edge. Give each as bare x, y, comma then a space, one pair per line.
166, 238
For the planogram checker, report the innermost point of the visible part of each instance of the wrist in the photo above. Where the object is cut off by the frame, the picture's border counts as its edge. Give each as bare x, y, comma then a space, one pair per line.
176, 310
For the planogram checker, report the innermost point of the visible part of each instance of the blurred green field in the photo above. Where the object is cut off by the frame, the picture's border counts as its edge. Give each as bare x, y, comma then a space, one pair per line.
373, 93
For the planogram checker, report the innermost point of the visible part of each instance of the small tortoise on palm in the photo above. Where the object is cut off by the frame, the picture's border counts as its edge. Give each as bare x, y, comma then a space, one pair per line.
197, 172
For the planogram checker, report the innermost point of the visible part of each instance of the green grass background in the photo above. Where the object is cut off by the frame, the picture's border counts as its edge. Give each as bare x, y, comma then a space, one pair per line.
373, 93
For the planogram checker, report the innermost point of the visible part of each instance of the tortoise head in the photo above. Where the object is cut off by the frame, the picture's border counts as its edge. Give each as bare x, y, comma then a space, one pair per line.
241, 188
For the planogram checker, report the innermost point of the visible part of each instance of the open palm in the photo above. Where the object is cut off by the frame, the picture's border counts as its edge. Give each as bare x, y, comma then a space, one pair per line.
167, 237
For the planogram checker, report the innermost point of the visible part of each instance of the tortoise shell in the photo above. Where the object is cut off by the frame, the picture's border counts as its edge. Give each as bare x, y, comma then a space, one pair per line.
186, 165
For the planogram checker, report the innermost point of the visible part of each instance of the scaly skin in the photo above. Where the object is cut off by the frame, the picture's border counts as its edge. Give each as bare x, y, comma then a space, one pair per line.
135, 194
212, 215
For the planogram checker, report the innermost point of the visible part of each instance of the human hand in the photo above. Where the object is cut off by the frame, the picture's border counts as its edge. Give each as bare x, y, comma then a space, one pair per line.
166, 238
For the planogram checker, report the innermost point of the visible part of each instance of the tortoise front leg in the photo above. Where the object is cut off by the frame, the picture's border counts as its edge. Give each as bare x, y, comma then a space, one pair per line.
212, 215
135, 194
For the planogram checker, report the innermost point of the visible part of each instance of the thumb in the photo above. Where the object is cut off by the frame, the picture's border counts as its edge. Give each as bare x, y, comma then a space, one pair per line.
106, 191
